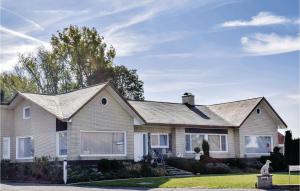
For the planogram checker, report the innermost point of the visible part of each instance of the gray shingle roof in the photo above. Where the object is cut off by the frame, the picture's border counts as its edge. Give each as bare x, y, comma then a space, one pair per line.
226, 114
64, 105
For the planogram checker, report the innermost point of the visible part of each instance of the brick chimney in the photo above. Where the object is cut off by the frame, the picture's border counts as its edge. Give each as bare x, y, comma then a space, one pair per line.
188, 98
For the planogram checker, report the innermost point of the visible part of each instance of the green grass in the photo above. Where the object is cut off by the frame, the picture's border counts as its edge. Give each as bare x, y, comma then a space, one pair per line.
203, 181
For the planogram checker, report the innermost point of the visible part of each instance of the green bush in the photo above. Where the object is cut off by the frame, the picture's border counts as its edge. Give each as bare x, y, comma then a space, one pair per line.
215, 168
105, 165
236, 162
205, 148
44, 169
182, 163
197, 150
278, 162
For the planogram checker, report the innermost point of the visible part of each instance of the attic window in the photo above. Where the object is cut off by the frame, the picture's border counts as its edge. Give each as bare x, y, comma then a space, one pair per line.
258, 111
26, 112
104, 101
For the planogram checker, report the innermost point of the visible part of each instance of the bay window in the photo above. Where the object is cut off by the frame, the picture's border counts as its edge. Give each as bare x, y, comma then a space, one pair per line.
61, 144
159, 140
257, 144
103, 143
217, 142
24, 148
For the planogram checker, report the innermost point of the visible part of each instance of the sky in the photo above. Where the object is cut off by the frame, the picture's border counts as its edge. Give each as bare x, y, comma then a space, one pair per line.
218, 50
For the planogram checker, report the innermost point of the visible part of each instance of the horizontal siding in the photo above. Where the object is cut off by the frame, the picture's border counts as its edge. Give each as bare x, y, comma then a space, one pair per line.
95, 117
258, 124
6, 126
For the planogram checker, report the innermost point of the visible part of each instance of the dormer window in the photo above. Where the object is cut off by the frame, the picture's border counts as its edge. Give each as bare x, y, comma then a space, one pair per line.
26, 113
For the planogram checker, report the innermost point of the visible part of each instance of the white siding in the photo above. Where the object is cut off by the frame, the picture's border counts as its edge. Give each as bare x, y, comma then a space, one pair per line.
95, 117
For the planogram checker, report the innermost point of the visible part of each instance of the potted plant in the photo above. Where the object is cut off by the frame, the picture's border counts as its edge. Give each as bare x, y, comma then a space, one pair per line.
197, 153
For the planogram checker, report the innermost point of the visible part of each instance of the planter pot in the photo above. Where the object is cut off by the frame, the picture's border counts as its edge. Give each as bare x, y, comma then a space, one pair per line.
197, 156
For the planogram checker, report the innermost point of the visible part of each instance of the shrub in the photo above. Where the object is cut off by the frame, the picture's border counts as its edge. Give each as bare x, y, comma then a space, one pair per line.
41, 169
197, 150
237, 162
215, 168
205, 148
181, 163
277, 159
105, 165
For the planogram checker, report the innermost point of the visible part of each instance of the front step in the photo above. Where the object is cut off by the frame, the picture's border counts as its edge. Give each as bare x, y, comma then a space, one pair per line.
172, 171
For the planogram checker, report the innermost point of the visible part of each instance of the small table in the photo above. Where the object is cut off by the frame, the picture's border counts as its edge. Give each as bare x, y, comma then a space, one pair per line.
264, 181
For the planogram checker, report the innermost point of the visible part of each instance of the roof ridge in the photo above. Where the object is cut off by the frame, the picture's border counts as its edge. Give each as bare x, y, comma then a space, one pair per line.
156, 101
69, 91
235, 101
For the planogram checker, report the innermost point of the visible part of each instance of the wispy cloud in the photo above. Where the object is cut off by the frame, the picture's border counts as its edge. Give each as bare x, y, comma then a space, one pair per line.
268, 44
19, 34
294, 97
261, 19
33, 23
15, 43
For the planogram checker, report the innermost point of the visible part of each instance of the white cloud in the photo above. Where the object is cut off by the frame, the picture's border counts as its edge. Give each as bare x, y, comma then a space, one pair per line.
19, 34
33, 23
268, 44
294, 97
14, 43
261, 19
126, 43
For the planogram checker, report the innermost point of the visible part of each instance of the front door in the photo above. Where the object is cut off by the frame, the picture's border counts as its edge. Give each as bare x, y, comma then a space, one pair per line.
140, 146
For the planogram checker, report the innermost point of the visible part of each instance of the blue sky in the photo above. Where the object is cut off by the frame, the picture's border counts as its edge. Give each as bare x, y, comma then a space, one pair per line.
219, 50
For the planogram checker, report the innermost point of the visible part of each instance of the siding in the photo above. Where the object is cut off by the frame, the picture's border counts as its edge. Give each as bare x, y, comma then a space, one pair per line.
257, 124
41, 126
6, 126
95, 117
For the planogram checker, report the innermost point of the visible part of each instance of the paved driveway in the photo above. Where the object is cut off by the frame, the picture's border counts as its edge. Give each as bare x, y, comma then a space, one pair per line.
43, 187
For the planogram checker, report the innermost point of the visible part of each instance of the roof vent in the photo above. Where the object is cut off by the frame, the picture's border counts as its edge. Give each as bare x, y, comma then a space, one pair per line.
188, 98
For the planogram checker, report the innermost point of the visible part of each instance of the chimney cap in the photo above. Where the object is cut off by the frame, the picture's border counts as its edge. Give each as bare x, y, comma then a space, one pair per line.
187, 94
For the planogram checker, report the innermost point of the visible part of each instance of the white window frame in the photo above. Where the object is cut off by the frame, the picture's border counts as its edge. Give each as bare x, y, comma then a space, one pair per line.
24, 116
104, 155
206, 138
6, 156
17, 147
159, 146
266, 154
57, 143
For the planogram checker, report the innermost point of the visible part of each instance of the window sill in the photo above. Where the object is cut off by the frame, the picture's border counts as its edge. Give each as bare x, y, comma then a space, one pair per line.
62, 156
26, 158
263, 154
192, 152
103, 155
160, 147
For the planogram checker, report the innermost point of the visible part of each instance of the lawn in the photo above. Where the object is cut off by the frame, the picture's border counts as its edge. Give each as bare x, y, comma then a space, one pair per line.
203, 181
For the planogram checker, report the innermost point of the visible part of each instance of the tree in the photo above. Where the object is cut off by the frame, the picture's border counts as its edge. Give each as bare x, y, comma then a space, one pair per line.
287, 146
78, 58
205, 148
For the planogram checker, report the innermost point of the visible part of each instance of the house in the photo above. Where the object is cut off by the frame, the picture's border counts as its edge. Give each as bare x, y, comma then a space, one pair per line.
96, 122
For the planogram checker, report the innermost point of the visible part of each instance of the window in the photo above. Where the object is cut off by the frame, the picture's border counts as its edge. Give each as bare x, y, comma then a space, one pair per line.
217, 143
104, 101
258, 144
159, 140
61, 144
24, 148
258, 111
103, 143
26, 113
6, 148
